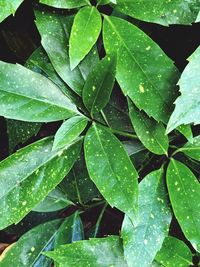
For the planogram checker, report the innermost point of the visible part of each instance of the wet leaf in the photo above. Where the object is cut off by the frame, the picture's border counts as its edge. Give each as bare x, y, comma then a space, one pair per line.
154, 84
184, 192
143, 237
8, 7
35, 172
38, 101
150, 132
99, 84
69, 131
174, 253
163, 12
85, 31
192, 149
187, 108
64, 3
96, 252
111, 170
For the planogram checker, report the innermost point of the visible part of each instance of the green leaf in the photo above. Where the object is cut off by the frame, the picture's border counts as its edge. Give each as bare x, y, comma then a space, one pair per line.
186, 131
20, 132
69, 131
192, 150
99, 84
184, 192
8, 7
187, 108
163, 12
144, 237
152, 87
150, 132
111, 170
35, 172
65, 4
105, 2
85, 31
29, 96
55, 200
174, 253
28, 249
93, 252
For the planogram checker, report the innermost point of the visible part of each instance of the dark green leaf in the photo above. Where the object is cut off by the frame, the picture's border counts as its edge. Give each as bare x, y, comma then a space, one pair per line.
192, 150
184, 192
35, 172
111, 170
8, 7
186, 131
152, 87
29, 96
150, 132
99, 84
144, 236
85, 31
65, 3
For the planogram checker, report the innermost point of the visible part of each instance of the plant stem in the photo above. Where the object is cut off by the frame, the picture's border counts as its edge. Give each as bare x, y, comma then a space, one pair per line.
124, 134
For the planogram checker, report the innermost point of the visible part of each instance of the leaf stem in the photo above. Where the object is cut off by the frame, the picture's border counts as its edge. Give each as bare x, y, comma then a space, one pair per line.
99, 219
124, 133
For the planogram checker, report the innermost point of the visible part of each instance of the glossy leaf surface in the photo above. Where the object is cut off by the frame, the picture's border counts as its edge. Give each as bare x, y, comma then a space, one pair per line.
144, 237
85, 31
8, 7
184, 192
192, 150
111, 170
152, 87
64, 3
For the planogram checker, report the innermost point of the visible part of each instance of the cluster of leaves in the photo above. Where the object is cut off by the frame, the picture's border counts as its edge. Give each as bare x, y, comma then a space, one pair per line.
118, 118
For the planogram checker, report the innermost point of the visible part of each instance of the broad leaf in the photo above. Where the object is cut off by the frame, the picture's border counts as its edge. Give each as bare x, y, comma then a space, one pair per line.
65, 3
144, 237
85, 31
164, 12
192, 150
35, 172
99, 85
96, 252
187, 108
184, 192
29, 96
111, 170
8, 7
152, 87
69, 131
150, 132
174, 253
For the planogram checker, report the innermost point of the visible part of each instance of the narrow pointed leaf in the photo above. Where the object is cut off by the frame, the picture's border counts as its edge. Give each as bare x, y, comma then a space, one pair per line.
150, 132
29, 96
192, 149
187, 108
65, 3
163, 12
35, 172
144, 237
184, 192
85, 31
152, 87
99, 84
8, 7
174, 253
93, 252
111, 170
186, 131
69, 131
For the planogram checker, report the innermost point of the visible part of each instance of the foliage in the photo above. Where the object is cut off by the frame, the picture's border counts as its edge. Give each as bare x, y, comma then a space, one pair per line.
125, 117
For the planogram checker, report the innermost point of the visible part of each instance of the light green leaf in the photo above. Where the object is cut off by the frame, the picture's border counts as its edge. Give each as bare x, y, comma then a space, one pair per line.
111, 170
69, 131
150, 132
105, 2
163, 12
186, 131
85, 31
192, 150
35, 172
99, 85
29, 96
187, 108
144, 237
184, 192
27, 251
152, 87
96, 252
8, 7
174, 253
65, 3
